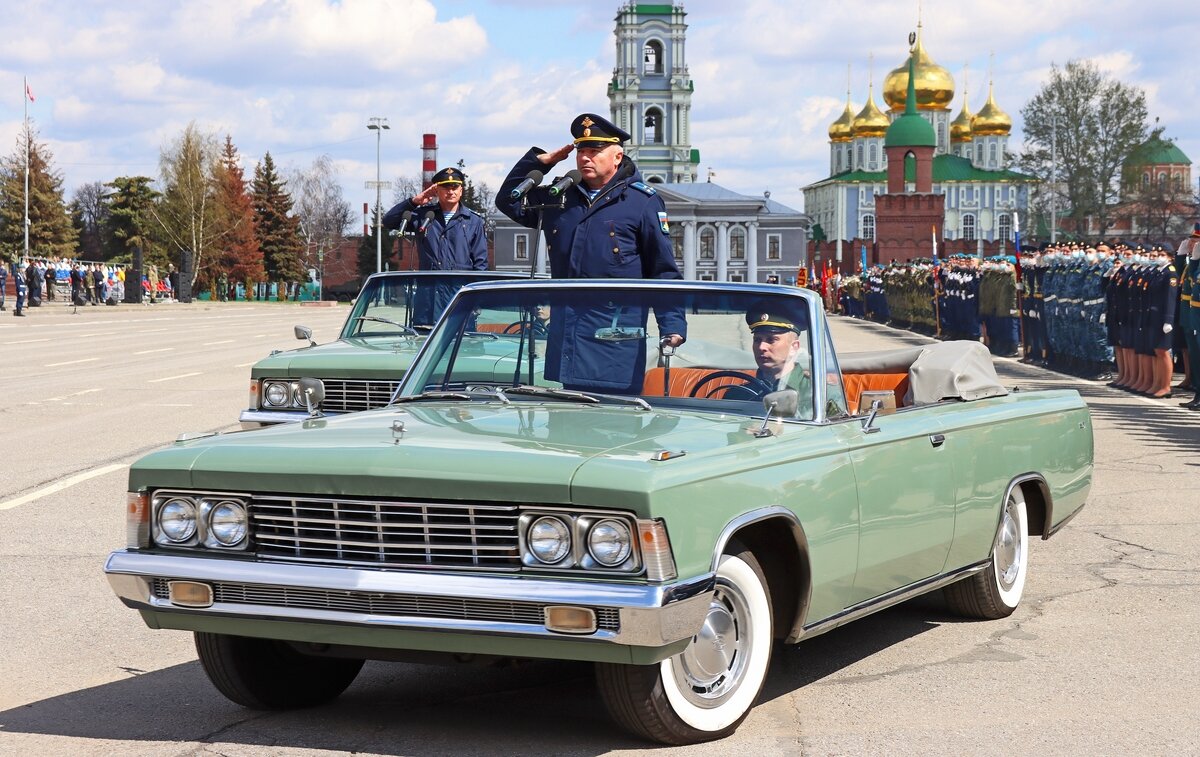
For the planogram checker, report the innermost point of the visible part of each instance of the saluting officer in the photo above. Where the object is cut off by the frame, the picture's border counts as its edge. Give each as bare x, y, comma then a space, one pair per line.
453, 238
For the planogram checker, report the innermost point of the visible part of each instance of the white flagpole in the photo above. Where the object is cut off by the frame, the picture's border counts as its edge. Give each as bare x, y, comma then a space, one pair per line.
25, 101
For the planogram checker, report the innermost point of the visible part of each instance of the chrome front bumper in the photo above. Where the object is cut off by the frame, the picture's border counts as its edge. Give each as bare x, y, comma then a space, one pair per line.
252, 419
649, 616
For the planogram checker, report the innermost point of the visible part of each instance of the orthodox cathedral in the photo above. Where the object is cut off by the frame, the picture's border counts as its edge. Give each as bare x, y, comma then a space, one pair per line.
977, 195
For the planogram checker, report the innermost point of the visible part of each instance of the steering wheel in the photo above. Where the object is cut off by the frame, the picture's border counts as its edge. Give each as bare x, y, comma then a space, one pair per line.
522, 327
751, 388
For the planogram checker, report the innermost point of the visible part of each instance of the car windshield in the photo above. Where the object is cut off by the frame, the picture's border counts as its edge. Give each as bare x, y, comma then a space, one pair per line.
406, 303
595, 343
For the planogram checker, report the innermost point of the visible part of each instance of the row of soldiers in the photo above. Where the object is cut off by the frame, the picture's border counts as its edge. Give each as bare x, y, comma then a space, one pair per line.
1082, 308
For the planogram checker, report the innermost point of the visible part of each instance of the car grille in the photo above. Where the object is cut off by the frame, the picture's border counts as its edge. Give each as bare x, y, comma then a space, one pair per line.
386, 533
394, 605
351, 396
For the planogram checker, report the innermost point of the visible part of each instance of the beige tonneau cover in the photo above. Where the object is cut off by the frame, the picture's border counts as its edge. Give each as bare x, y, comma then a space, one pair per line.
960, 370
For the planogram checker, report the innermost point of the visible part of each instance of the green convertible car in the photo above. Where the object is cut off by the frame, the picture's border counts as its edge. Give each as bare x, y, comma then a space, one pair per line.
361, 369
663, 478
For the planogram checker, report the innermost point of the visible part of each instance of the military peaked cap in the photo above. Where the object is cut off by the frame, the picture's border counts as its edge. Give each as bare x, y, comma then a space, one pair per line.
449, 176
591, 130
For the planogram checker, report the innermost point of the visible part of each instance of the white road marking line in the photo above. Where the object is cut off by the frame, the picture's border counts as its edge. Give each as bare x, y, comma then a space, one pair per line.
66, 483
74, 394
245, 365
28, 341
72, 362
161, 349
223, 341
172, 378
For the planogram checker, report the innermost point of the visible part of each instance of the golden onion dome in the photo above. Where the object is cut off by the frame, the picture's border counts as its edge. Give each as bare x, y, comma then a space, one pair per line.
991, 121
960, 127
870, 121
840, 130
934, 84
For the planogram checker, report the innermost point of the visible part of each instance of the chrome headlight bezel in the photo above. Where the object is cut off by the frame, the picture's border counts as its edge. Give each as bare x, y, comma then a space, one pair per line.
203, 505
276, 394
181, 505
213, 509
564, 548
579, 526
624, 537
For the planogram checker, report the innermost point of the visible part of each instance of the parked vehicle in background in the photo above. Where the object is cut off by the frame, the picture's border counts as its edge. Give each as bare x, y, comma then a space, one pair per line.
362, 368
553, 481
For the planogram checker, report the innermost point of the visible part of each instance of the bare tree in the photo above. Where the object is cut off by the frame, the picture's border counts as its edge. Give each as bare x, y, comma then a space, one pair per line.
187, 213
323, 212
89, 212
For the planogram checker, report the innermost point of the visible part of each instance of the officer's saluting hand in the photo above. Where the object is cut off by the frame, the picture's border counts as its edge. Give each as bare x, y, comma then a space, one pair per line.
611, 225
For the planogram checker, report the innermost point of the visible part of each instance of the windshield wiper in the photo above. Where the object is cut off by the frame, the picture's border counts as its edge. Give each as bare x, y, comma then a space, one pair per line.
574, 396
403, 329
433, 396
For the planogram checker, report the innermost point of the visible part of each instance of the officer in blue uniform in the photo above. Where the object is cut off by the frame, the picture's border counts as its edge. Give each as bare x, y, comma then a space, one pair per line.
611, 225
19, 281
453, 239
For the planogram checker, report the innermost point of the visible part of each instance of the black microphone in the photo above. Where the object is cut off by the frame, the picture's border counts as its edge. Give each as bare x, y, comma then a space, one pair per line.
532, 179
405, 217
572, 178
428, 219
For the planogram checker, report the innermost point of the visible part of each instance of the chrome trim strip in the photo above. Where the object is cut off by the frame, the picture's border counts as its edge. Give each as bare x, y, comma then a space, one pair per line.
651, 615
1055, 529
897, 596
1045, 487
251, 419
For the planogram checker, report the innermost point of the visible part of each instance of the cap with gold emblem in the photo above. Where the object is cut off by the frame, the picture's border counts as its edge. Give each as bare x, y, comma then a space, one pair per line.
591, 130
449, 176
774, 317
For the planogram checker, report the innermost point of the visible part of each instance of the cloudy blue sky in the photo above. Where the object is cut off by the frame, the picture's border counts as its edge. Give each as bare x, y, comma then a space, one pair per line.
115, 82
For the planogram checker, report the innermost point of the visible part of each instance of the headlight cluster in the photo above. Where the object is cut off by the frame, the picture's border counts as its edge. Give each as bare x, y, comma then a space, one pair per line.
280, 393
215, 521
559, 540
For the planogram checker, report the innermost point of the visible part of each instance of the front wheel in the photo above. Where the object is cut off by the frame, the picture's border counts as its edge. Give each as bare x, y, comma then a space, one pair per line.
265, 674
707, 690
997, 591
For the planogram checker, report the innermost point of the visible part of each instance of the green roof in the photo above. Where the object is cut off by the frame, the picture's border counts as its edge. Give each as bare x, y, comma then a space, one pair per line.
1155, 151
910, 131
946, 168
662, 10
695, 156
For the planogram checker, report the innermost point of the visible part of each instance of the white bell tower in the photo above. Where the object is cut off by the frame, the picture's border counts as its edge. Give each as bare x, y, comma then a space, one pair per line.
650, 95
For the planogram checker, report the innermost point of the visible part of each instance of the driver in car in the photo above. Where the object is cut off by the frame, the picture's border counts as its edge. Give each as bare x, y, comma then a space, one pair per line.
777, 344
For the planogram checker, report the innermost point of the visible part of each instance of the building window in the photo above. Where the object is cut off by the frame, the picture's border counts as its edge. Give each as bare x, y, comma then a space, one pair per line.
737, 243
979, 153
774, 247
868, 227
968, 228
992, 153
1162, 181
708, 246
737, 276
652, 57
1145, 180
653, 133
1005, 224
1178, 182
707, 276
677, 242
522, 247
874, 153
860, 160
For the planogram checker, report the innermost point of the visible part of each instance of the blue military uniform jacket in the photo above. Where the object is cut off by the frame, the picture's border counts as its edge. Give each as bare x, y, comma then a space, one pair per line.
623, 233
455, 245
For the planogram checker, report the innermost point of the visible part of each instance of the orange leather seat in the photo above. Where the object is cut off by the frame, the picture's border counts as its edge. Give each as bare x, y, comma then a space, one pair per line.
857, 383
492, 328
683, 379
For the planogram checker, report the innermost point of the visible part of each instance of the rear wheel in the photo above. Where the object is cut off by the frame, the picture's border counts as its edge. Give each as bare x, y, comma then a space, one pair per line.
265, 674
706, 691
997, 591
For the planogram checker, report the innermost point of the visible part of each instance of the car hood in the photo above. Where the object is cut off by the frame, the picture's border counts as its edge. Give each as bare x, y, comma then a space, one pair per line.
526, 452
383, 357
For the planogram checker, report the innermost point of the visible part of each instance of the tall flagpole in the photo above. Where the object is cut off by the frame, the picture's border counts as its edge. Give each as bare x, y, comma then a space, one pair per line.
25, 101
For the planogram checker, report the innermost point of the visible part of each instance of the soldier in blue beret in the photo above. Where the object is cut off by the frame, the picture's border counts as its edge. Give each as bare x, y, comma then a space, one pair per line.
453, 239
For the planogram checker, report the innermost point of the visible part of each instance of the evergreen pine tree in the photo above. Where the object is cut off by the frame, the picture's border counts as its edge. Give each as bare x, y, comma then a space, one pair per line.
51, 233
240, 257
129, 222
278, 231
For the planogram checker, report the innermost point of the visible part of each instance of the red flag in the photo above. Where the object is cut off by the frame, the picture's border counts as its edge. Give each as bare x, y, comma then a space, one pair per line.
29, 92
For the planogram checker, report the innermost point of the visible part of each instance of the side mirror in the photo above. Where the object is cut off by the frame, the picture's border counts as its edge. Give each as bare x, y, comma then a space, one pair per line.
782, 404
304, 332
313, 392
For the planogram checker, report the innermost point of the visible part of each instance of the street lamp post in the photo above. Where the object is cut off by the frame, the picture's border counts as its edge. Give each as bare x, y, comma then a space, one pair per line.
1053, 180
378, 124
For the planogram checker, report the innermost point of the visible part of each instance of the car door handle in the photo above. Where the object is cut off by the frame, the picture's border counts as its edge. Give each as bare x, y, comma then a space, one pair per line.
937, 440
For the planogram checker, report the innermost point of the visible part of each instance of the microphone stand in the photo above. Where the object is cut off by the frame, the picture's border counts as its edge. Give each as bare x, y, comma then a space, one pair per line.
537, 234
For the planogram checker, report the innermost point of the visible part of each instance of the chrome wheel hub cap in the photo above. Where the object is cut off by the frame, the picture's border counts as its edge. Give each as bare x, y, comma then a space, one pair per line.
712, 666
1008, 550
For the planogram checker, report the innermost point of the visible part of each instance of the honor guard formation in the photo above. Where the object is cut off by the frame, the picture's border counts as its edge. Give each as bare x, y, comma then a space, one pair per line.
1132, 311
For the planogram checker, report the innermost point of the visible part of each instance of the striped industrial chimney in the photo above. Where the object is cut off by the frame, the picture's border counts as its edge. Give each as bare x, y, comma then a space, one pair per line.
428, 159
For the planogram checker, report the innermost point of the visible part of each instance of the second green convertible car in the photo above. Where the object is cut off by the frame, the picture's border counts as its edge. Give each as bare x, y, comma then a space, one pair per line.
556, 478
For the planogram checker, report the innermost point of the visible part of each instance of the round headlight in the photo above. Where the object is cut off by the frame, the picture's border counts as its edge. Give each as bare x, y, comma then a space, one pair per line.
609, 542
277, 394
177, 519
549, 540
227, 523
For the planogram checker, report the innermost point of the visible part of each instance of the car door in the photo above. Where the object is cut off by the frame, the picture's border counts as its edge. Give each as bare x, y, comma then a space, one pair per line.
906, 497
